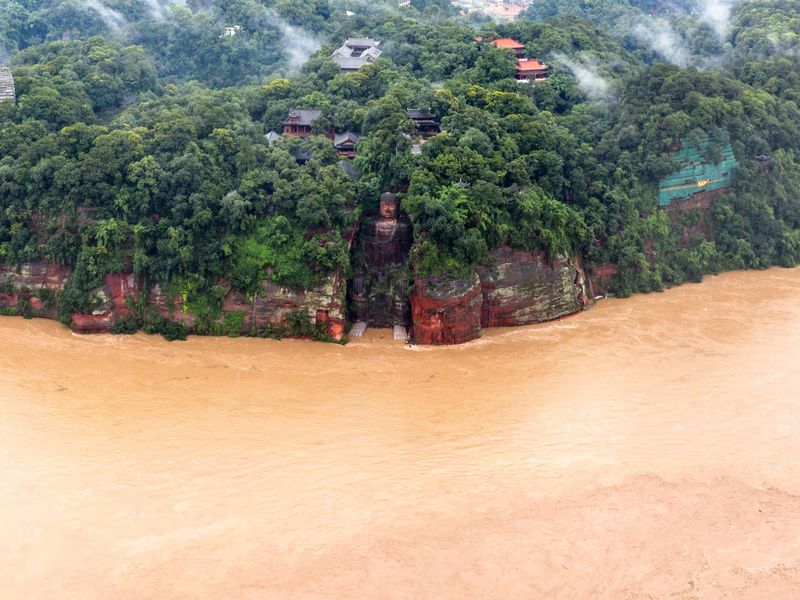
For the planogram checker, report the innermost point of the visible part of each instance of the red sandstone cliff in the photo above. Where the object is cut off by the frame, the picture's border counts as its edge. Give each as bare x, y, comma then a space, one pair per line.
111, 304
520, 287
323, 304
516, 287
446, 310
30, 279
274, 304
700, 203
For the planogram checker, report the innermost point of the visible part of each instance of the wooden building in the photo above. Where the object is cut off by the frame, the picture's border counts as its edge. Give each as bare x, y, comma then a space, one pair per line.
356, 53
345, 144
299, 121
424, 121
510, 44
530, 69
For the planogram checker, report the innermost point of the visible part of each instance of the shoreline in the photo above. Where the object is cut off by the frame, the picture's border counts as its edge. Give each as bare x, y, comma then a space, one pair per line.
384, 334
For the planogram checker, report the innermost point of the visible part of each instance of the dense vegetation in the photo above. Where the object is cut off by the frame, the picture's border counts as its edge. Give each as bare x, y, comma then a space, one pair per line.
127, 151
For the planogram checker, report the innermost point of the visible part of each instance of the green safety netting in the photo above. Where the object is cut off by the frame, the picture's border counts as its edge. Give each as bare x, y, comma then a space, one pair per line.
696, 173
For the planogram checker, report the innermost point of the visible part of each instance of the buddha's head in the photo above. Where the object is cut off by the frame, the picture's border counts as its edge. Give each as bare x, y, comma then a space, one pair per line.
389, 205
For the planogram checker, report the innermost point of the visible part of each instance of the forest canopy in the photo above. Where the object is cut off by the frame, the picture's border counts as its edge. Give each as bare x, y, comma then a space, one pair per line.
138, 139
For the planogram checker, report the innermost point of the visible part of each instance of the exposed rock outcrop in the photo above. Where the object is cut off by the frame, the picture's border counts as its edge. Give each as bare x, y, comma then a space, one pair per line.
516, 288
35, 275
110, 302
29, 284
601, 276
520, 288
168, 306
23, 287
274, 304
446, 310
694, 215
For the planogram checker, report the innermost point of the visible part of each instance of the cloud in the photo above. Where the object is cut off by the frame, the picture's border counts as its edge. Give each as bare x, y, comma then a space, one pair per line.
661, 38
586, 71
717, 15
112, 19
159, 7
298, 43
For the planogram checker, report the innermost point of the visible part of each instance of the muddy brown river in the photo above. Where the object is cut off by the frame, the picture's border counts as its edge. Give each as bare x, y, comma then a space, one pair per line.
648, 448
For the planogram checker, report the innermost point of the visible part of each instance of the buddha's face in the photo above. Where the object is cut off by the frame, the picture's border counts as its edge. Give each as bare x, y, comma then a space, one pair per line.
388, 210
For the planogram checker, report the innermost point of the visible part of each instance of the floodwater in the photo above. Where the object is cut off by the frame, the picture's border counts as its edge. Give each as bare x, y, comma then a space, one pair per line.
645, 449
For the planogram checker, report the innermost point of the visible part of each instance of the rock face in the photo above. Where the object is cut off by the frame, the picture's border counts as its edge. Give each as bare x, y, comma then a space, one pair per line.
36, 275
700, 225
29, 283
169, 307
445, 310
273, 306
521, 288
601, 276
110, 301
24, 287
516, 287
379, 288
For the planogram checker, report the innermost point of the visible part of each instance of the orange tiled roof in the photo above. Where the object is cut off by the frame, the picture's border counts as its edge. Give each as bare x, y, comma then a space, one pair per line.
528, 64
508, 43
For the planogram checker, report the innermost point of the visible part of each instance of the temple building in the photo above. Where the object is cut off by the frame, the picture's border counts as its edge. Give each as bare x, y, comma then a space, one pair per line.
530, 69
7, 91
527, 69
424, 121
509, 44
356, 53
345, 144
299, 121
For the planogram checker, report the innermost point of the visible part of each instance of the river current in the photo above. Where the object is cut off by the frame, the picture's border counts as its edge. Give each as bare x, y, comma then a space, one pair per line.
647, 448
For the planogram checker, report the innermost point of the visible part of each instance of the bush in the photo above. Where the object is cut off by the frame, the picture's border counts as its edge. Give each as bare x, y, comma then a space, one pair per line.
233, 323
125, 325
24, 308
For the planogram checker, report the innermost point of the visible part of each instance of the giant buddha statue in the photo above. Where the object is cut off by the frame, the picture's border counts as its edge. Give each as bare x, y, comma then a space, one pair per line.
379, 287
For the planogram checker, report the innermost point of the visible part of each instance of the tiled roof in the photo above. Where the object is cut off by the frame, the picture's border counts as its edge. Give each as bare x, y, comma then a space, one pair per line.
347, 136
530, 64
419, 114
508, 43
344, 51
306, 116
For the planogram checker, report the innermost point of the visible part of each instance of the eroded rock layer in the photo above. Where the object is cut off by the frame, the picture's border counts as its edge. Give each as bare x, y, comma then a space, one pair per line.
33, 290
446, 310
31, 286
274, 305
520, 288
110, 304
